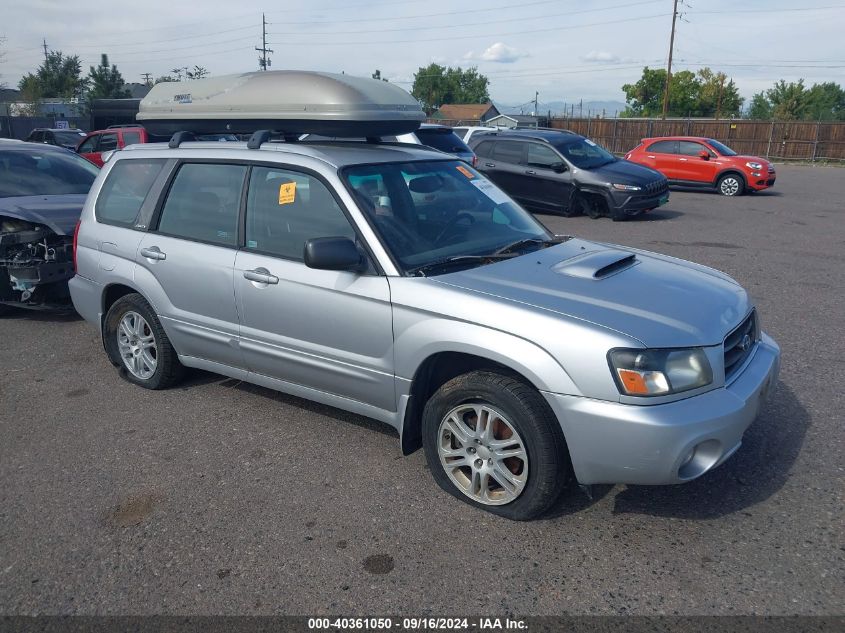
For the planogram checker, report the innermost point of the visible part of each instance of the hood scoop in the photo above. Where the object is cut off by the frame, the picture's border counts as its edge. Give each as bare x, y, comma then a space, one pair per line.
596, 265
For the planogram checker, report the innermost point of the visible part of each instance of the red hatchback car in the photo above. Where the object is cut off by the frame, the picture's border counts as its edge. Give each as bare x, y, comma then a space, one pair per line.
691, 161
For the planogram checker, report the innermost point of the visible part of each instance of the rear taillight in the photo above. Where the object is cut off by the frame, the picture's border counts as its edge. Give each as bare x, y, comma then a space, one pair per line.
76, 243
474, 160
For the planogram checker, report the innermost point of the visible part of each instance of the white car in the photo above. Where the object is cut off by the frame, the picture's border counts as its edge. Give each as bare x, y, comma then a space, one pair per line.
465, 132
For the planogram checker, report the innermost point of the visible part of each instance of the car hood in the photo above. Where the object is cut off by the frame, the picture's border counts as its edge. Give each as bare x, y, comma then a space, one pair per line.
58, 213
658, 300
626, 172
755, 159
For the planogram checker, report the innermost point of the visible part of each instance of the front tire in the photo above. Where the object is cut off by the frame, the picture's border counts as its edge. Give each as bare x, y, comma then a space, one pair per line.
493, 442
731, 185
138, 346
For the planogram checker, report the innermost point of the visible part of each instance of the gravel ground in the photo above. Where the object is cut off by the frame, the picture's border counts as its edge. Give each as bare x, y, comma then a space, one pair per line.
220, 497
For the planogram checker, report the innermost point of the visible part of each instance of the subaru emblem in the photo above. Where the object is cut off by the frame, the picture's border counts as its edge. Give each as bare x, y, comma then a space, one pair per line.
745, 343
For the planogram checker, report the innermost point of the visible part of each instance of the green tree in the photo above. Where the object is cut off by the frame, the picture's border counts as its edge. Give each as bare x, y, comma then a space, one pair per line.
435, 85
717, 95
106, 82
165, 78
58, 77
825, 102
760, 108
197, 73
788, 100
706, 93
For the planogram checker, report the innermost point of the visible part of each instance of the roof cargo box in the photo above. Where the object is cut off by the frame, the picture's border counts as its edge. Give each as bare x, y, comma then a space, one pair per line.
288, 101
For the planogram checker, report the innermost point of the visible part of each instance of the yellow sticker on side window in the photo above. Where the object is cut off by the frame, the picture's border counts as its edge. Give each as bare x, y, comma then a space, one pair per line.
287, 192
466, 172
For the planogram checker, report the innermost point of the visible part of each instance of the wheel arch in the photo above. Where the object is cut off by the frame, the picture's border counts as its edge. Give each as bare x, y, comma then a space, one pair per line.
730, 171
438, 366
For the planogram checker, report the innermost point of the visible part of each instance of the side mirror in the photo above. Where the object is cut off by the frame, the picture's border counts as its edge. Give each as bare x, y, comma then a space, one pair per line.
333, 253
704, 155
558, 168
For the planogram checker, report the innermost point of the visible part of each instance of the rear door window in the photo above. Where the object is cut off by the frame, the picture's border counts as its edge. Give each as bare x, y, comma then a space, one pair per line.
509, 151
203, 203
484, 149
664, 147
125, 189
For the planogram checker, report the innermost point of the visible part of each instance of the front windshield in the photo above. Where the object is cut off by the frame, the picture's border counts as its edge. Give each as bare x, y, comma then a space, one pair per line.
431, 211
724, 150
48, 173
585, 154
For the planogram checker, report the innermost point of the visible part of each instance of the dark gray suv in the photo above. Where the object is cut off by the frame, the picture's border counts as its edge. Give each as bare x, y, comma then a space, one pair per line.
561, 172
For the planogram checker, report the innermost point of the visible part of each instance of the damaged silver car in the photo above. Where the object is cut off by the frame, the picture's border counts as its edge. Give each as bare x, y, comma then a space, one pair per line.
42, 191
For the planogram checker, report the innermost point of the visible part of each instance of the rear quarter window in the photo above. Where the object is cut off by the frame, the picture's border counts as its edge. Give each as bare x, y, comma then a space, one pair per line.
125, 189
664, 147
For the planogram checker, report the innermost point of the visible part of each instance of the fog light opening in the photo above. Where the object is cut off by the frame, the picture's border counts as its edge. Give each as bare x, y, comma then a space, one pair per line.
699, 459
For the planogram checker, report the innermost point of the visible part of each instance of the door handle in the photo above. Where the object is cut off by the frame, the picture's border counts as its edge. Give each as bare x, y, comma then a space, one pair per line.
489, 164
530, 172
683, 160
261, 275
650, 156
153, 252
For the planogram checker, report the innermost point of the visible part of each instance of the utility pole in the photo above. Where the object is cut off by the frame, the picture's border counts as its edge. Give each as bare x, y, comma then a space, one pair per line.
669, 67
147, 78
536, 106
263, 62
45, 49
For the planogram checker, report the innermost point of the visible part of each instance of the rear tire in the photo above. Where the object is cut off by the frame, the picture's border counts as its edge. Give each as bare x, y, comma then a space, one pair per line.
137, 344
483, 428
731, 185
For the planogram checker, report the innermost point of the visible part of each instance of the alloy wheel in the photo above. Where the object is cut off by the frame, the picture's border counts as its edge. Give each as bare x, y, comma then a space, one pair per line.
729, 186
137, 345
482, 454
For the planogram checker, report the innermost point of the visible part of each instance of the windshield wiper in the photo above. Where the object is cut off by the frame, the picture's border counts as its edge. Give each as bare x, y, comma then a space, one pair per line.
450, 262
510, 248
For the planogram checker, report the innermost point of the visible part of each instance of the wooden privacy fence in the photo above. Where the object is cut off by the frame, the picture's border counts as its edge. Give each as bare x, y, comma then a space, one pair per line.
775, 140
770, 139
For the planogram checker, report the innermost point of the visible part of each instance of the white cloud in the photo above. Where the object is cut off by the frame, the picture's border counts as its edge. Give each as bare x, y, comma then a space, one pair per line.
600, 56
499, 53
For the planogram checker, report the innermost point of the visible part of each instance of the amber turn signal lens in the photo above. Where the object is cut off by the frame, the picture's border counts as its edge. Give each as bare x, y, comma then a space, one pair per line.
633, 382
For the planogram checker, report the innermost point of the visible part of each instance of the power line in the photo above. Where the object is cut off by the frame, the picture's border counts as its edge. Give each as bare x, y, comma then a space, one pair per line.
464, 26
486, 35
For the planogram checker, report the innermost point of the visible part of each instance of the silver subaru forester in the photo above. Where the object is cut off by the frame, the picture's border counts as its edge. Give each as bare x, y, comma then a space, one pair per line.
398, 283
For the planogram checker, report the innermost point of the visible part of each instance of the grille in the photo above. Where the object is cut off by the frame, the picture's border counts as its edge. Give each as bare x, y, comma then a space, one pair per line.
657, 187
735, 351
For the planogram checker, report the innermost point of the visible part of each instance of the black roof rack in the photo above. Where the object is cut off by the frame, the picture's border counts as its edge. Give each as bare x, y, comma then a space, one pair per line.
180, 137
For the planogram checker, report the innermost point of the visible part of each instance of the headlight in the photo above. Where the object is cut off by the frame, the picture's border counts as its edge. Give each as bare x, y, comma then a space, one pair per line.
626, 187
754, 165
659, 372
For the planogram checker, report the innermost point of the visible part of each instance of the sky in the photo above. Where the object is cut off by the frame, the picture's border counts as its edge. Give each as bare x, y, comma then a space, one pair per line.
566, 50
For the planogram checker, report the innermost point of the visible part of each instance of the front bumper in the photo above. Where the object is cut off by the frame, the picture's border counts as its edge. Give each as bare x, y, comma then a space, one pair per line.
763, 181
622, 203
613, 443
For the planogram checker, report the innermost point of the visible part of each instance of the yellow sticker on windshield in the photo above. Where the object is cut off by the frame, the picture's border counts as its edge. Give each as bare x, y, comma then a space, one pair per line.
466, 172
287, 192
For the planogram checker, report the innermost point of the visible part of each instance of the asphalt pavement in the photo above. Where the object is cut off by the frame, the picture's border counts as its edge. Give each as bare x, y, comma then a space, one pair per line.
217, 497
